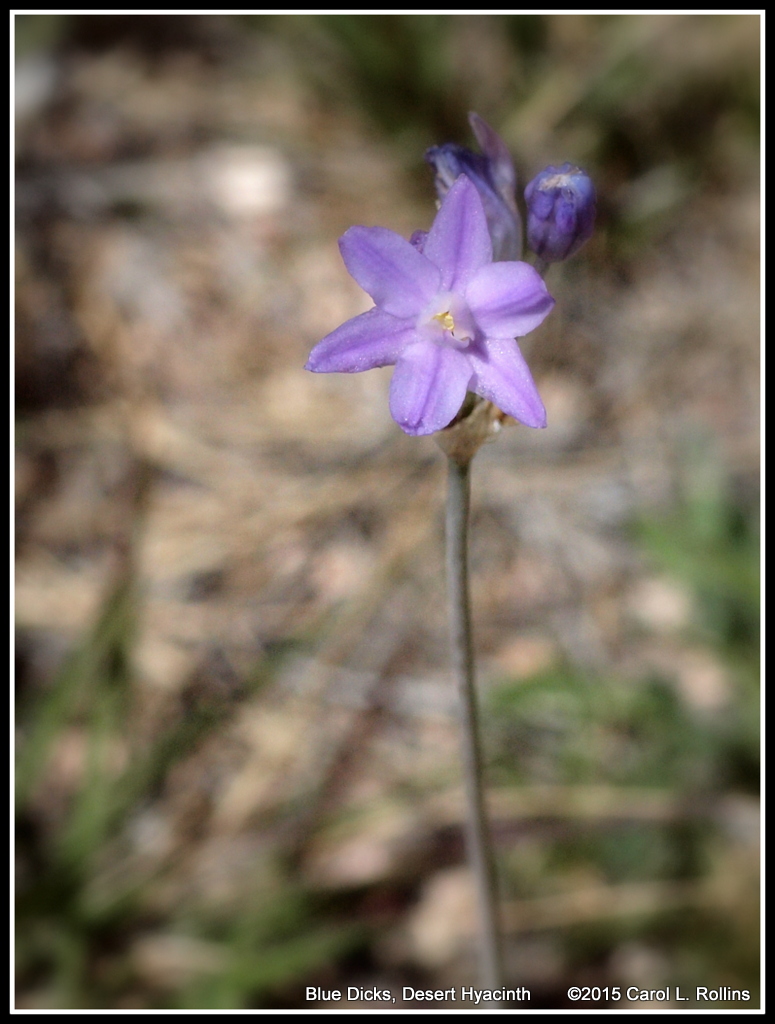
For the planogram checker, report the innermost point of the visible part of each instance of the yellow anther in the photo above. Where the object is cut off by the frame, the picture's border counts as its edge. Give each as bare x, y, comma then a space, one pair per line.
446, 321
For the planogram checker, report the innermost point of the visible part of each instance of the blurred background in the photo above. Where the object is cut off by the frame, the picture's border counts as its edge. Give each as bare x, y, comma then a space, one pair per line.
237, 771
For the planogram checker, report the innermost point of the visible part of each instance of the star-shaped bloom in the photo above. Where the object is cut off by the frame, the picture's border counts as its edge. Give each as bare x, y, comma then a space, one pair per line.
445, 315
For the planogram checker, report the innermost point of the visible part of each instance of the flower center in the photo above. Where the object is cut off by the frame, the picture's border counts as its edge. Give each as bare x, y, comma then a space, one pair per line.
450, 320
446, 321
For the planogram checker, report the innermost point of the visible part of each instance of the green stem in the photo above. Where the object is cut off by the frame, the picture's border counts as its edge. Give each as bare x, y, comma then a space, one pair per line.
478, 842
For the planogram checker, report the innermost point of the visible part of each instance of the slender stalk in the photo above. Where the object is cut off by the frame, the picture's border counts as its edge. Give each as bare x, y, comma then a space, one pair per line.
541, 265
478, 843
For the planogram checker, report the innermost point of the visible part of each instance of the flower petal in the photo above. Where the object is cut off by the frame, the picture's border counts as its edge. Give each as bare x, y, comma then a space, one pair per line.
398, 277
508, 300
363, 343
499, 159
459, 241
503, 377
428, 387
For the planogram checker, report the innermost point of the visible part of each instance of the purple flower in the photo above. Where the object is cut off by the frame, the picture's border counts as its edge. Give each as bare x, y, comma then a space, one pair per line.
560, 212
493, 173
445, 315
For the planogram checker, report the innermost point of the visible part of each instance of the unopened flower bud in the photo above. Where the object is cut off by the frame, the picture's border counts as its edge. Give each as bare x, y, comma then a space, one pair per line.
492, 171
418, 240
560, 212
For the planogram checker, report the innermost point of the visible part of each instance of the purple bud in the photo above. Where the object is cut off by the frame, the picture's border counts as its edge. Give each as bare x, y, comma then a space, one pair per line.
560, 212
418, 240
496, 182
